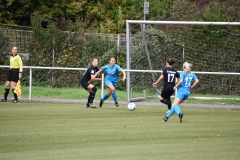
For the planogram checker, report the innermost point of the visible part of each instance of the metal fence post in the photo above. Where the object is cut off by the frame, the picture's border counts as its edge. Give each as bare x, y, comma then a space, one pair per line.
102, 86
118, 44
30, 85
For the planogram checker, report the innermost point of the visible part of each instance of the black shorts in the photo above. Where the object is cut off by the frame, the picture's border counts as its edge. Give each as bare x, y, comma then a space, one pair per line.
13, 75
167, 92
84, 84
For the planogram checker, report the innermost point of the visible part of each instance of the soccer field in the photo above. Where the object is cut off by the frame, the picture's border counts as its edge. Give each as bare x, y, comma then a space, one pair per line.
50, 131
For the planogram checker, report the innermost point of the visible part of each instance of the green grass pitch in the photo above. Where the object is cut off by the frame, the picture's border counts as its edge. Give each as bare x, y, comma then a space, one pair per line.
50, 131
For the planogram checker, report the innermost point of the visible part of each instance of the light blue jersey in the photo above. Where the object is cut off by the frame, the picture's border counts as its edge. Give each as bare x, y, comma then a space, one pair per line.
187, 80
184, 89
183, 93
111, 74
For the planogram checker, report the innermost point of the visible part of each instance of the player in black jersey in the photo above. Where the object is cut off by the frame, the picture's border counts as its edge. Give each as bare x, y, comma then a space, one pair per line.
169, 75
88, 76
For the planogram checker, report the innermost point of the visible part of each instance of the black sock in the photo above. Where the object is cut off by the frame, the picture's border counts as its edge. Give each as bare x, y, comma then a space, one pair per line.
92, 97
164, 101
15, 95
6, 93
93, 93
89, 99
169, 103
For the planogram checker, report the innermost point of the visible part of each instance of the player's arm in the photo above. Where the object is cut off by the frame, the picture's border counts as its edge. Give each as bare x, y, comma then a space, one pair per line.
20, 63
178, 83
124, 74
94, 76
195, 83
97, 79
159, 80
179, 80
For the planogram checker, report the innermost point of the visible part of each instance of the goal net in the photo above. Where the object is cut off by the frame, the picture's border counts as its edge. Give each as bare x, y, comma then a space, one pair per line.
212, 47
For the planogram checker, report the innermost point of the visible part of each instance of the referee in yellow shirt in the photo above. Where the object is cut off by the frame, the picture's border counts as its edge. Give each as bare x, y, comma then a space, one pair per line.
15, 73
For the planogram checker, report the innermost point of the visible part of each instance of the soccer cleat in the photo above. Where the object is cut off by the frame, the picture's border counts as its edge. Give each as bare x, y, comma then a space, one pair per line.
4, 100
101, 103
180, 117
92, 106
165, 119
116, 104
15, 101
87, 106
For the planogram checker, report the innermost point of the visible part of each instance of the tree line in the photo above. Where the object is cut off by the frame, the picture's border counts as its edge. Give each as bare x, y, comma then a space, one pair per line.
109, 15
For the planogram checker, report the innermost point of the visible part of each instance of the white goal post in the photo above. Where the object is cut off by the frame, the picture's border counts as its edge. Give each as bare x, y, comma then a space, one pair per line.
129, 34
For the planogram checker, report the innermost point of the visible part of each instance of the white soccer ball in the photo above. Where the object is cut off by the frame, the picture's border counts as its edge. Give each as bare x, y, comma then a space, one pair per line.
131, 106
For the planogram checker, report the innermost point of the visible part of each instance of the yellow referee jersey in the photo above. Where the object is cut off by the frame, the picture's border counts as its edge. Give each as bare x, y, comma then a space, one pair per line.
16, 62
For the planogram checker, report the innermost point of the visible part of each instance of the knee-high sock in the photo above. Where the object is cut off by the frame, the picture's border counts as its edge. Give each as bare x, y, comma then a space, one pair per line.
177, 109
174, 109
6, 93
171, 112
15, 95
167, 102
92, 97
114, 95
89, 99
105, 97
164, 101
94, 90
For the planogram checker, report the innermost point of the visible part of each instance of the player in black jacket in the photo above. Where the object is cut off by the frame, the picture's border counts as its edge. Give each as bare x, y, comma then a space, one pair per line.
88, 76
169, 75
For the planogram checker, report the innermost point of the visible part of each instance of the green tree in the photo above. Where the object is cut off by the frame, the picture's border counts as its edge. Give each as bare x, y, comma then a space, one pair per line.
17, 12
3, 47
98, 15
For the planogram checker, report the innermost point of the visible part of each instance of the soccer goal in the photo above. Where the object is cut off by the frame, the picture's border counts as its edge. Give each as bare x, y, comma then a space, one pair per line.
212, 47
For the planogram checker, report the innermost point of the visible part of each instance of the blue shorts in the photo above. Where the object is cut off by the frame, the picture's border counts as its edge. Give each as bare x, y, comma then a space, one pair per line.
107, 83
182, 94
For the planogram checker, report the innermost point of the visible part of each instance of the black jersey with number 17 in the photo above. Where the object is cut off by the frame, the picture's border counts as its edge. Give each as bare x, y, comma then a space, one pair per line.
170, 74
90, 71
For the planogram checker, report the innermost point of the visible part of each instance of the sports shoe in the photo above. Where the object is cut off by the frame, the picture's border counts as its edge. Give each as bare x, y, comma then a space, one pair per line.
3, 100
116, 104
101, 103
165, 119
15, 101
92, 106
180, 117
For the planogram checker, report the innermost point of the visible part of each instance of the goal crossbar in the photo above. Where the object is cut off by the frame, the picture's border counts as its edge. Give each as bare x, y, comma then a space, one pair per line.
184, 23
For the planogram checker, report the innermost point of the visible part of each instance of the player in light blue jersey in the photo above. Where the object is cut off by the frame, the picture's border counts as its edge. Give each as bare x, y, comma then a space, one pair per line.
111, 80
184, 88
